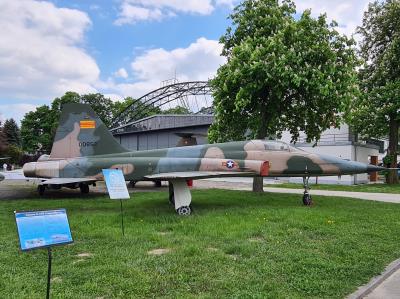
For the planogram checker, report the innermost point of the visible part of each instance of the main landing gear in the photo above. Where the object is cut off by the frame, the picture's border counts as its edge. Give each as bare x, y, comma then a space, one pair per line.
307, 200
84, 188
41, 189
180, 197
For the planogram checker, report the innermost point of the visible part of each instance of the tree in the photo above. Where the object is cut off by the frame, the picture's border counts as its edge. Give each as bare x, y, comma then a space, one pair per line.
38, 127
177, 110
132, 109
101, 105
15, 153
37, 130
376, 112
12, 132
282, 73
3, 141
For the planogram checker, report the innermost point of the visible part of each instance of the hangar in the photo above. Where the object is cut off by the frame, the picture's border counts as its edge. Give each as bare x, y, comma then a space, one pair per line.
161, 131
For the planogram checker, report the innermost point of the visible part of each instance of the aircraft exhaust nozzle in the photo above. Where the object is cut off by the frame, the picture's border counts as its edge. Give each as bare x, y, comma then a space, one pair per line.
29, 169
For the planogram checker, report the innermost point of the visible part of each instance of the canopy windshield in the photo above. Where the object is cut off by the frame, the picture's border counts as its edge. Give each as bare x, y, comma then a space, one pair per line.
273, 145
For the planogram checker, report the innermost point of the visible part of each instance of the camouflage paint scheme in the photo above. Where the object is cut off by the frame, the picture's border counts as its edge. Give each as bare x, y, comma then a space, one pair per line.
82, 151
83, 147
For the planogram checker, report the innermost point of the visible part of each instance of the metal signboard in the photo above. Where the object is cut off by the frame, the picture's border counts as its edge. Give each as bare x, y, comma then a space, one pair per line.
38, 229
116, 184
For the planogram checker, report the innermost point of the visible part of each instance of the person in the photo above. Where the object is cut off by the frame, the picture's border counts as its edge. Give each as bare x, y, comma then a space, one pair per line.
5, 167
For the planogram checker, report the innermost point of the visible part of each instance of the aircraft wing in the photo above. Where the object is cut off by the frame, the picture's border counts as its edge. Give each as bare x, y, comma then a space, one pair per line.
16, 175
197, 175
62, 181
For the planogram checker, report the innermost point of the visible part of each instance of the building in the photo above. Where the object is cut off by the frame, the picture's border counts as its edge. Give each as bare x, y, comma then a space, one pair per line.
342, 143
162, 131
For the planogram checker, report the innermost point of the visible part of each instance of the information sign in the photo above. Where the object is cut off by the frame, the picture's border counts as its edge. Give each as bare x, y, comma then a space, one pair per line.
37, 229
116, 184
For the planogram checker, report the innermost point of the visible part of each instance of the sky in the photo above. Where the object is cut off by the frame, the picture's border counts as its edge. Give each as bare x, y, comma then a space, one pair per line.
119, 48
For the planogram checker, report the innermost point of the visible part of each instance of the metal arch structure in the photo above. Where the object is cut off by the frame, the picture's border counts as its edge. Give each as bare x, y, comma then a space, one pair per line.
159, 97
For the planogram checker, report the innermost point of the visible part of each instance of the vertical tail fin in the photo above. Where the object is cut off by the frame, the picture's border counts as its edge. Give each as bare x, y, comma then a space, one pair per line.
82, 133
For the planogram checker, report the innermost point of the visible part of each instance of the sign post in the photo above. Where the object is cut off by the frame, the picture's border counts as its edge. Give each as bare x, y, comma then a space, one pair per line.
43, 229
48, 272
117, 189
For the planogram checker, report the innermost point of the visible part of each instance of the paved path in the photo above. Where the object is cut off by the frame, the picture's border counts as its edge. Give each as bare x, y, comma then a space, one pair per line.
386, 285
389, 288
244, 185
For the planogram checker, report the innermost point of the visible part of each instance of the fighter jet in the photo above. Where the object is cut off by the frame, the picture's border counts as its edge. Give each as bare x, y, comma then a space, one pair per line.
83, 146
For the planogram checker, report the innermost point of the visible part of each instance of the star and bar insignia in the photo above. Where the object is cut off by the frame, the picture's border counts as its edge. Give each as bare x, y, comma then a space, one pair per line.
229, 164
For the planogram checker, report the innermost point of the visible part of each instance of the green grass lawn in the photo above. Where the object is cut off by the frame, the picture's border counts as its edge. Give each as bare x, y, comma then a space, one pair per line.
374, 188
235, 245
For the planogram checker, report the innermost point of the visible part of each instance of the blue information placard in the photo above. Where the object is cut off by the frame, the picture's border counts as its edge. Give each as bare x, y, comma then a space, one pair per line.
116, 184
37, 229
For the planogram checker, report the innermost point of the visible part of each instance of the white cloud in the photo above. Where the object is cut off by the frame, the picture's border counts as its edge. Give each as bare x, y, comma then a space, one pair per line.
199, 61
121, 73
132, 14
16, 111
348, 14
133, 11
41, 53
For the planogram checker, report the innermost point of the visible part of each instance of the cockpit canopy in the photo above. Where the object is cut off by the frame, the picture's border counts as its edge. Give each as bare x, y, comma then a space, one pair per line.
275, 145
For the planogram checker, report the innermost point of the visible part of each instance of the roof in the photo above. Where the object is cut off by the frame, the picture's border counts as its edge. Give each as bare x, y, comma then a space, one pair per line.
165, 121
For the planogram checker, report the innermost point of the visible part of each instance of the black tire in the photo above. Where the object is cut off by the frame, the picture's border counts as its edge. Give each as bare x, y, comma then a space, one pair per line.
132, 184
157, 184
84, 188
307, 200
41, 189
184, 211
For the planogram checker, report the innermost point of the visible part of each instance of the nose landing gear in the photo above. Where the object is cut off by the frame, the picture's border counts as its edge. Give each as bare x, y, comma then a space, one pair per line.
307, 200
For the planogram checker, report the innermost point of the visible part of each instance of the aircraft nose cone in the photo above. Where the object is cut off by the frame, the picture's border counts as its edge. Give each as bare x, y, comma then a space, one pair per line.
373, 168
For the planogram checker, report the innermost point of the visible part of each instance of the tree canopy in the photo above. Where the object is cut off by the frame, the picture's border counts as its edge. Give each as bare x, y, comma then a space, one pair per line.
282, 73
176, 110
37, 130
376, 112
12, 132
3, 141
38, 127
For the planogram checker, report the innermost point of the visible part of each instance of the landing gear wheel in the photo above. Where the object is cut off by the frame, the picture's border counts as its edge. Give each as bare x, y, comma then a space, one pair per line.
84, 188
184, 211
307, 200
157, 184
41, 189
132, 184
